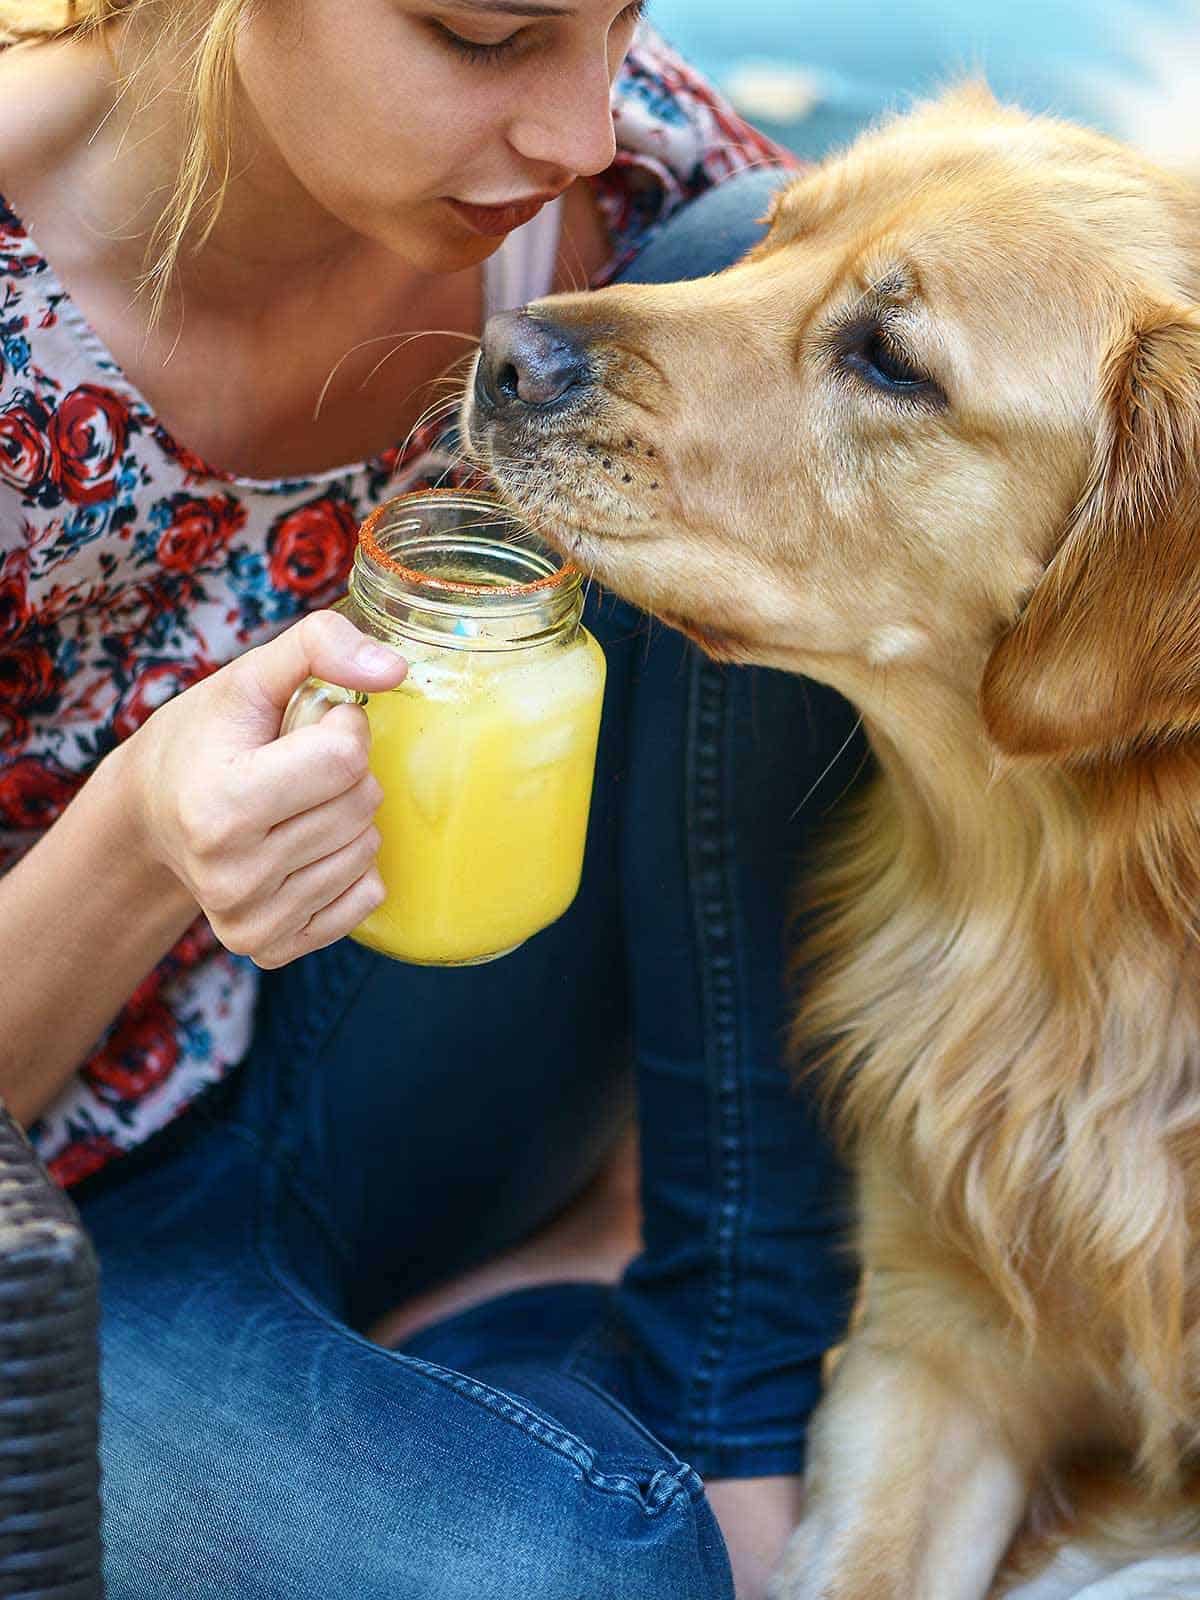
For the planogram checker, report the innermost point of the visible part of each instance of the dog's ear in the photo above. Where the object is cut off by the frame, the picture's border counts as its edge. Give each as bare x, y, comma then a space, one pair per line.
1106, 652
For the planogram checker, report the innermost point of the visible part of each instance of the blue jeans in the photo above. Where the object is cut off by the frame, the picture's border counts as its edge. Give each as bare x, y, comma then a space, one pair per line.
395, 1125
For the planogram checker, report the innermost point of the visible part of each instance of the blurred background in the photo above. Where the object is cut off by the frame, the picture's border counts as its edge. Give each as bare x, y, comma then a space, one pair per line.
814, 73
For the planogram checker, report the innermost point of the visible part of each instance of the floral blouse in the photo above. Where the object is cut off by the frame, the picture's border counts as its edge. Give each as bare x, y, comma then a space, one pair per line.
130, 569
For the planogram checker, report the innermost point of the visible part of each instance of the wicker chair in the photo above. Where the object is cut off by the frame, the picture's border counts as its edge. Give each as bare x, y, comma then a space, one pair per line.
49, 1386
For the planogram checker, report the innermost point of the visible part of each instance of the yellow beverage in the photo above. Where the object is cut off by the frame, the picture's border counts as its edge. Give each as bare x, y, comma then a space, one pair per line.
486, 760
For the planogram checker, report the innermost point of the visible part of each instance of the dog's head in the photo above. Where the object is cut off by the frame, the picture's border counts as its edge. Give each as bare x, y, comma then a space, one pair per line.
945, 417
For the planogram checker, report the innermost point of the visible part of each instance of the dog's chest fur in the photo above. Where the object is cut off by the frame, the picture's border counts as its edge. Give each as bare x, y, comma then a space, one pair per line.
1016, 1041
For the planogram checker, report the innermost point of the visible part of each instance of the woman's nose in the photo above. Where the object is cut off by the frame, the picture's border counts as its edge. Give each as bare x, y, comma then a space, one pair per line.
569, 128
528, 362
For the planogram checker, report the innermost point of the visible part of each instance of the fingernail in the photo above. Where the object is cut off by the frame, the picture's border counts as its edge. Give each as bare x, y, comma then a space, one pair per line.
378, 657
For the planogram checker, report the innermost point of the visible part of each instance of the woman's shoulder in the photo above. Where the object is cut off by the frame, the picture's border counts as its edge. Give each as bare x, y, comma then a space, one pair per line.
677, 136
52, 97
664, 108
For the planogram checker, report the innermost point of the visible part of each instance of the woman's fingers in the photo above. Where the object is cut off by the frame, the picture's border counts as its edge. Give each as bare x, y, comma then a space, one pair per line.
324, 644
307, 767
275, 920
310, 889
271, 836
333, 921
322, 829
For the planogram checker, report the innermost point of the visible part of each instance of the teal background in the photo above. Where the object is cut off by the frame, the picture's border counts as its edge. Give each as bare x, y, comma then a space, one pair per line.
1131, 69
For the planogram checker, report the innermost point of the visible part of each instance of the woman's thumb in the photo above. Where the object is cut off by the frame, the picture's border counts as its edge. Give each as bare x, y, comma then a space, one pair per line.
322, 645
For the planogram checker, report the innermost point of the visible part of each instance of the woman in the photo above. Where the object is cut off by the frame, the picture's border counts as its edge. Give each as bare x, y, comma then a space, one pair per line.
213, 212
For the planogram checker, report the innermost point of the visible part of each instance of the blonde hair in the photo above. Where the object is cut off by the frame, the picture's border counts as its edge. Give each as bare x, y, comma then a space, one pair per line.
206, 46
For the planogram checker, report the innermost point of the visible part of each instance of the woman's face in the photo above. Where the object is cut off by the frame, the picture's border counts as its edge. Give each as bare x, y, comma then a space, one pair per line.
395, 116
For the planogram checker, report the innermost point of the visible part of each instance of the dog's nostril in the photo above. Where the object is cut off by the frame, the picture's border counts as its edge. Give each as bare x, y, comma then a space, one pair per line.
529, 361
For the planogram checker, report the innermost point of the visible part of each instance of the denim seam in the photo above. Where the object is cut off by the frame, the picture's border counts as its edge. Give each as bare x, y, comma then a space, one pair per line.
267, 1156
761, 1462
320, 1016
683, 1472
664, 1487
714, 922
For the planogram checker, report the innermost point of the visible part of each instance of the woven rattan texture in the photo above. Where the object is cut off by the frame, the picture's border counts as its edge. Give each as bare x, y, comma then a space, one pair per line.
49, 1386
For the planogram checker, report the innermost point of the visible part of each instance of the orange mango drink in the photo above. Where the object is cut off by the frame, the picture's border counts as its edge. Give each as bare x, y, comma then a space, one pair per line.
485, 751
486, 765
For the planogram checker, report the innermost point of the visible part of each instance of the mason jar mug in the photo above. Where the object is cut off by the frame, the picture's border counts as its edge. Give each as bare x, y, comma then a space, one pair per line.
486, 750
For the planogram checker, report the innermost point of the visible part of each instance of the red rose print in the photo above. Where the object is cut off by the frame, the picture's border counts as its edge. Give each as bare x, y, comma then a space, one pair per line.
12, 266
153, 687
194, 467
199, 530
129, 612
81, 1159
89, 430
27, 677
16, 257
146, 992
26, 454
199, 941
137, 1056
14, 594
33, 793
312, 547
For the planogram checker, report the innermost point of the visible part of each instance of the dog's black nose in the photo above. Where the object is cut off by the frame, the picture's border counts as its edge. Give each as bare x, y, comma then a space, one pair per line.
527, 361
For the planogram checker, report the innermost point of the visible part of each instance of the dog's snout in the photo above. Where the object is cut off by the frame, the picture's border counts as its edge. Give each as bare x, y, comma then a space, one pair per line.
527, 361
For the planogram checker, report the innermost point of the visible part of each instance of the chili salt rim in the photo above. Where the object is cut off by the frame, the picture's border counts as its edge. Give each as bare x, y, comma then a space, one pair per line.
369, 543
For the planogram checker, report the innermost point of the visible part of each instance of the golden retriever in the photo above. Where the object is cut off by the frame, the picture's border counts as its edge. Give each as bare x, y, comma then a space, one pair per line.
936, 442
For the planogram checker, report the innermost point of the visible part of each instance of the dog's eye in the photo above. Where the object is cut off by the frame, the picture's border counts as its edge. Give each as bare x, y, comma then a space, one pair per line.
887, 363
874, 355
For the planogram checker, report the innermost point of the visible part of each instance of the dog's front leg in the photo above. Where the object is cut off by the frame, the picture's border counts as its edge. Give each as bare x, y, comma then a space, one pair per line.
911, 1494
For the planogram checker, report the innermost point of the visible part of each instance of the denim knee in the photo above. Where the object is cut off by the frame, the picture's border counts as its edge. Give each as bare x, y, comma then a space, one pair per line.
631, 1520
252, 1446
607, 1529
447, 1514
710, 233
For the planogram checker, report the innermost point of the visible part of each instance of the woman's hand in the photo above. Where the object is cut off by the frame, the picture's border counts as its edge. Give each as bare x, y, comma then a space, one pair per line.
273, 838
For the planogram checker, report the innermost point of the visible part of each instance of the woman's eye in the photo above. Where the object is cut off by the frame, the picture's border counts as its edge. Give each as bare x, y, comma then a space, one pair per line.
475, 50
472, 49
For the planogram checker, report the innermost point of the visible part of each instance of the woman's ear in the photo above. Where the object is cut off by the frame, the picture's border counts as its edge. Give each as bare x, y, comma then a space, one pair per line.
1106, 653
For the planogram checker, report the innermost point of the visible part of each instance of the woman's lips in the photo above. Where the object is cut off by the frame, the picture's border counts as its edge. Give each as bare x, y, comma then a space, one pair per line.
491, 220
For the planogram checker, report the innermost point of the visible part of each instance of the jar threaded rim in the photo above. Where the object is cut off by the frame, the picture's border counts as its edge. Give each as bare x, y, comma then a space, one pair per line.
370, 546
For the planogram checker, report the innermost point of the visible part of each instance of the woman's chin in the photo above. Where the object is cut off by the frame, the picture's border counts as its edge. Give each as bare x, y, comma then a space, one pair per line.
440, 243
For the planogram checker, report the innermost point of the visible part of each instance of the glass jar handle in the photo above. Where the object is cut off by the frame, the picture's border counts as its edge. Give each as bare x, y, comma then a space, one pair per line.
313, 699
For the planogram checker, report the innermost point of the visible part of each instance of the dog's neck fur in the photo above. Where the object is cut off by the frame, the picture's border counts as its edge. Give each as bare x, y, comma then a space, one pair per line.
970, 905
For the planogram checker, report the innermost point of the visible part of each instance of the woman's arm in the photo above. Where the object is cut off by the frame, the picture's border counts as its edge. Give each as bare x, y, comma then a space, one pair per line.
83, 917
202, 809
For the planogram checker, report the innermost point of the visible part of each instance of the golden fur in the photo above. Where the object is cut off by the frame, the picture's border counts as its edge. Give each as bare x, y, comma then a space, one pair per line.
1003, 574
